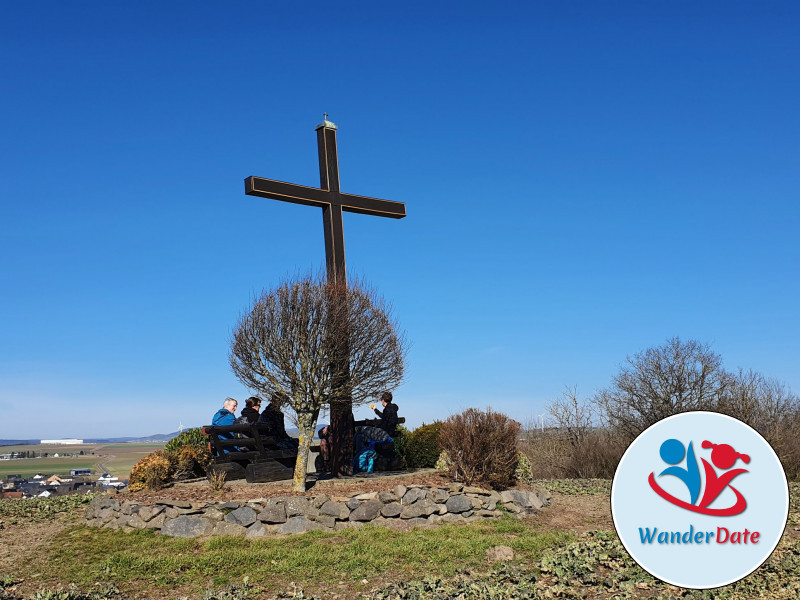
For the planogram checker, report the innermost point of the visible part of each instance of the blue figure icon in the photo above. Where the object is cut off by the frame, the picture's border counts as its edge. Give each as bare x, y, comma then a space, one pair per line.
672, 452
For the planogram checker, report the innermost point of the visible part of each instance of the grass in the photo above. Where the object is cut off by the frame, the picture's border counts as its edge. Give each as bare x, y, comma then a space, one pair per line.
447, 562
141, 559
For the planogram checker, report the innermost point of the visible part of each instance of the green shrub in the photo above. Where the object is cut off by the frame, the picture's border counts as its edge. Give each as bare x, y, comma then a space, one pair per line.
422, 448
443, 464
482, 446
523, 473
400, 440
187, 437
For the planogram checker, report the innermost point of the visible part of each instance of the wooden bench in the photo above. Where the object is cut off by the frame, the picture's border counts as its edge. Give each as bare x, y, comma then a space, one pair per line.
249, 454
374, 422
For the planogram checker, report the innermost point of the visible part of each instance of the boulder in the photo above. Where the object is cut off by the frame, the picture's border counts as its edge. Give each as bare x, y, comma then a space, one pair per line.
257, 530
439, 495
299, 506
337, 510
393, 509
297, 524
229, 528
414, 495
544, 495
187, 527
273, 513
471, 489
387, 497
106, 514
367, 496
422, 508
458, 504
134, 522
148, 512
325, 521
318, 501
522, 498
451, 518
243, 516
368, 511
214, 514
156, 522
128, 507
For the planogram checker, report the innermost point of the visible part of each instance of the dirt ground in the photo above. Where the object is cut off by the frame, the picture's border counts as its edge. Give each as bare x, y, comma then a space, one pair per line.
200, 491
576, 513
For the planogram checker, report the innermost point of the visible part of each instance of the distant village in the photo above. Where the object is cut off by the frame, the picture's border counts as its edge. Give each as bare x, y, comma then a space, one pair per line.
80, 481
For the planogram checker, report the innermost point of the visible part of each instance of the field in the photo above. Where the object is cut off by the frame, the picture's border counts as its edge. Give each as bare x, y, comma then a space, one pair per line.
121, 457
117, 459
28, 467
567, 551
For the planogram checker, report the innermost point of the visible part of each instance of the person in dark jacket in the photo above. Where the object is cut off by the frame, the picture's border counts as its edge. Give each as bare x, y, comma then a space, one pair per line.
388, 415
250, 411
270, 422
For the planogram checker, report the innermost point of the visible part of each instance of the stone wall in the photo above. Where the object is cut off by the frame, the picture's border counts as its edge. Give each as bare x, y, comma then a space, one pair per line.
413, 505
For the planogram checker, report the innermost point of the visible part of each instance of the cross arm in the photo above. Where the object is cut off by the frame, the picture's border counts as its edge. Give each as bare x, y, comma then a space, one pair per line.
288, 192
373, 206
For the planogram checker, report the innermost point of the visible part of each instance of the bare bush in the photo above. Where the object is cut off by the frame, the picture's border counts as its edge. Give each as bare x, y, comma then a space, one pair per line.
663, 381
318, 343
589, 437
554, 455
481, 446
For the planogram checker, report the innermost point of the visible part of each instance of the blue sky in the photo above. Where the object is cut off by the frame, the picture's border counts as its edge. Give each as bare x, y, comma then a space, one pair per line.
583, 180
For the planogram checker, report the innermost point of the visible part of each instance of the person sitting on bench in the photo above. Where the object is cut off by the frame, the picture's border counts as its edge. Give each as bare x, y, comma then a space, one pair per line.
270, 423
224, 417
388, 421
250, 411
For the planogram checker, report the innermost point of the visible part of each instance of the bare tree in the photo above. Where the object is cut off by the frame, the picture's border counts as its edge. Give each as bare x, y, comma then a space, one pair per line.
663, 381
572, 416
317, 343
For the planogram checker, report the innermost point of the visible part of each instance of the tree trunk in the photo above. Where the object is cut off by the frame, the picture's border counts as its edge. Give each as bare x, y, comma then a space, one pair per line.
306, 422
341, 438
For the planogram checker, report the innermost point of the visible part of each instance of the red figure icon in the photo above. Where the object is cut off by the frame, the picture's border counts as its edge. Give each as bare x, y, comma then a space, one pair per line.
724, 457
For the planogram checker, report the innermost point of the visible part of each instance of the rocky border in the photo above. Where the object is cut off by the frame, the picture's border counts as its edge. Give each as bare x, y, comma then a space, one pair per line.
411, 505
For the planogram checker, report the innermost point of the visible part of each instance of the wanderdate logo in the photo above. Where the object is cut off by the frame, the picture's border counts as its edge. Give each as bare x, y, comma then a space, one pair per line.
699, 500
723, 457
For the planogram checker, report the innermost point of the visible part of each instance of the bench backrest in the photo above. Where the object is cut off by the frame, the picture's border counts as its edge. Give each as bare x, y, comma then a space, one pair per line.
247, 437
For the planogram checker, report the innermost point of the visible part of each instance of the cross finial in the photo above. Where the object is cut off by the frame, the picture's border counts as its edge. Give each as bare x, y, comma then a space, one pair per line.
326, 124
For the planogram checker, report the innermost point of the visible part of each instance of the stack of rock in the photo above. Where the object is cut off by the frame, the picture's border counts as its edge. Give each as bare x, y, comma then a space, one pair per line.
412, 505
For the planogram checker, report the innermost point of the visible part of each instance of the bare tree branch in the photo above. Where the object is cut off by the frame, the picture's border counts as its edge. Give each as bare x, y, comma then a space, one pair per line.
316, 342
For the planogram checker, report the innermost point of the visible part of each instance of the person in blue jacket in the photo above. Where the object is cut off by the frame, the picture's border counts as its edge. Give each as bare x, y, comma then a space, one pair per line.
224, 417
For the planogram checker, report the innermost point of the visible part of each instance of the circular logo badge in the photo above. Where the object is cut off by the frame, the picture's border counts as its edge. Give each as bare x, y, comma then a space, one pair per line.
700, 500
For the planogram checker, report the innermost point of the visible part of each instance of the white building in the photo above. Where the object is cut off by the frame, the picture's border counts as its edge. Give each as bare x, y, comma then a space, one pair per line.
66, 442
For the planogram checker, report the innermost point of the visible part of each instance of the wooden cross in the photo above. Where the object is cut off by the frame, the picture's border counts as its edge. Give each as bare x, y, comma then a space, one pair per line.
333, 202
328, 197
